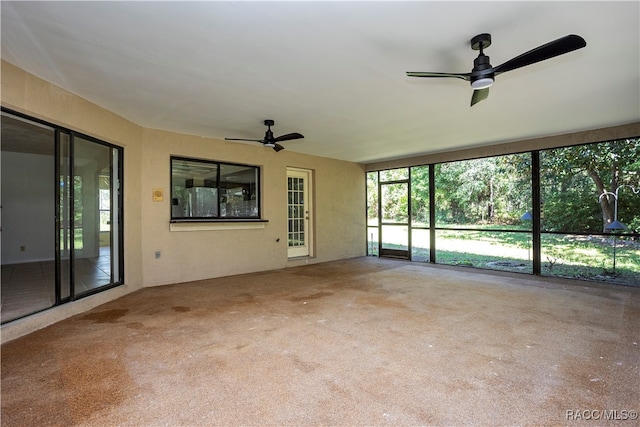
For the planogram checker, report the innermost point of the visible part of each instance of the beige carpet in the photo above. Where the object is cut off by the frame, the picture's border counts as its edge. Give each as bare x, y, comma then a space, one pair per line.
351, 343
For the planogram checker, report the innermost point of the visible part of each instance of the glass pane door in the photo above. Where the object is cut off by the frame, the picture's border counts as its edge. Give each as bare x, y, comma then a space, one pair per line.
298, 213
394, 209
61, 216
92, 199
28, 212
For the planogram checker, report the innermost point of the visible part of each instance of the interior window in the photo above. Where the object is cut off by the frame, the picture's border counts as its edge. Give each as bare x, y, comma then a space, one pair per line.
203, 189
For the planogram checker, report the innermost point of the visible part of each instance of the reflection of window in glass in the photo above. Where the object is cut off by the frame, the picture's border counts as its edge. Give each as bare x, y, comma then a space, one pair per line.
202, 189
78, 212
104, 203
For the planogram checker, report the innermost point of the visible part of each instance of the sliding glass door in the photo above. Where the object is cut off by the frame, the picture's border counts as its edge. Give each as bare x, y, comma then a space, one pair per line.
62, 210
28, 207
93, 170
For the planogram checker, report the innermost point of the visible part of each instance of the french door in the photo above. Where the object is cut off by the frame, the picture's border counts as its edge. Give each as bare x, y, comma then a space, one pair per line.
299, 229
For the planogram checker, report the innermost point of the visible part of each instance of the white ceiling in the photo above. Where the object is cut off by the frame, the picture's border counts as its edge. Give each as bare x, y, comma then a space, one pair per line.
335, 71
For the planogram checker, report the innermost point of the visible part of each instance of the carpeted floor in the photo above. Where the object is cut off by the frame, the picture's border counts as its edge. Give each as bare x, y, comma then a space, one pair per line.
351, 343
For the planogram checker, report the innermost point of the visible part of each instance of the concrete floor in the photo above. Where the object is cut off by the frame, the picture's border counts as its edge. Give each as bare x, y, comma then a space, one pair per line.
360, 342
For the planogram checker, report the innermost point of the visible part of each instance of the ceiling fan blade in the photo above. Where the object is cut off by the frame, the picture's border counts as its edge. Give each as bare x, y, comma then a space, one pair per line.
552, 49
289, 137
278, 147
242, 139
479, 95
463, 76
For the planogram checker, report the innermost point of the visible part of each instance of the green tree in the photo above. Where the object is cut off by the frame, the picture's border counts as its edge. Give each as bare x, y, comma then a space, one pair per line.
575, 177
492, 190
420, 195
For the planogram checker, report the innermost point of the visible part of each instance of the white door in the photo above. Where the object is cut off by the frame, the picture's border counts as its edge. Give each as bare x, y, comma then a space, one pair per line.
299, 236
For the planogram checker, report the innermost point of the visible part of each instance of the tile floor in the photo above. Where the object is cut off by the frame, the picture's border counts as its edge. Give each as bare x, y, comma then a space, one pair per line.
30, 287
27, 288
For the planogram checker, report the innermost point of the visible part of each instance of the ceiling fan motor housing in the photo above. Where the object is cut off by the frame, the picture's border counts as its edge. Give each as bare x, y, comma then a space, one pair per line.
479, 79
269, 139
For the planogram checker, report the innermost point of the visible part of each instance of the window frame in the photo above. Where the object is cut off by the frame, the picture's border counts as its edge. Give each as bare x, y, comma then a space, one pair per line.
536, 229
218, 165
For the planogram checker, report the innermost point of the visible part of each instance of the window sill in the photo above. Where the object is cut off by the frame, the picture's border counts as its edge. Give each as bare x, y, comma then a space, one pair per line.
207, 225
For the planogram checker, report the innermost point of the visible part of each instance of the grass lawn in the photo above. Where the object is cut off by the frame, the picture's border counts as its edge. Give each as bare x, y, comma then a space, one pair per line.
572, 256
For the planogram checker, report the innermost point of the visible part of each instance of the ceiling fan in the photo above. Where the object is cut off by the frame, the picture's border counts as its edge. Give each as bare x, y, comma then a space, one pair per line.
483, 74
269, 140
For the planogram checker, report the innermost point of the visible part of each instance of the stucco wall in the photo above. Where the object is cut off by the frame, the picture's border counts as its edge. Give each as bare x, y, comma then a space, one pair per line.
339, 192
191, 255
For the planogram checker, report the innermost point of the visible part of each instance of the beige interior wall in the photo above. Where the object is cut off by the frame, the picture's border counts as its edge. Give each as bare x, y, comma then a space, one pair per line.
339, 193
193, 253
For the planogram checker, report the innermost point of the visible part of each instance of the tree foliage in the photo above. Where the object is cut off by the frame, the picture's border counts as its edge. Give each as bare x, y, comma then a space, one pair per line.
420, 195
492, 190
497, 190
574, 178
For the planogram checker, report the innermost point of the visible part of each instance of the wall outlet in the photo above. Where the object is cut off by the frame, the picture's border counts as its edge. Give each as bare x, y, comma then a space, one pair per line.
158, 254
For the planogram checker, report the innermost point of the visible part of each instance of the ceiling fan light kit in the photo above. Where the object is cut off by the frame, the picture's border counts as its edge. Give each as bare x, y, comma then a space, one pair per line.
482, 76
482, 83
269, 140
